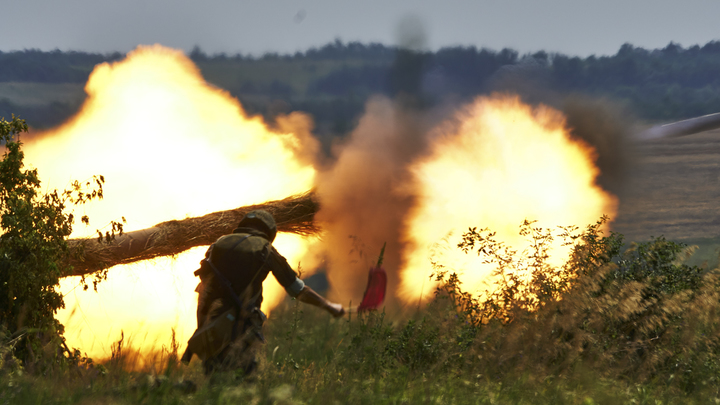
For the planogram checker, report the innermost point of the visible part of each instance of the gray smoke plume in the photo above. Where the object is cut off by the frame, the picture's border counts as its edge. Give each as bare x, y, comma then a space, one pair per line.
363, 194
607, 128
411, 33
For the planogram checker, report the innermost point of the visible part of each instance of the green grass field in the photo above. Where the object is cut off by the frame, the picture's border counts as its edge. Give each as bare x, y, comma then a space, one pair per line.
608, 328
324, 361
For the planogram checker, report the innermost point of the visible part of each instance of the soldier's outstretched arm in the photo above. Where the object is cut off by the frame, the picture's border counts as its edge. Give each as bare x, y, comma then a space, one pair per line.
309, 296
295, 287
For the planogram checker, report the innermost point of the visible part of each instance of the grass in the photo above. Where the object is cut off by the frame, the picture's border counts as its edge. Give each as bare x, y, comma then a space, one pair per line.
707, 252
322, 371
608, 327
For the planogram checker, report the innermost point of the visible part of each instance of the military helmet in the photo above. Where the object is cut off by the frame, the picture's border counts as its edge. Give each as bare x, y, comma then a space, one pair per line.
261, 220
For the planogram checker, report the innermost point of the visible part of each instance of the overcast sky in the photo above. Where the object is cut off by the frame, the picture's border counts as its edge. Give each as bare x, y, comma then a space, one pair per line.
575, 27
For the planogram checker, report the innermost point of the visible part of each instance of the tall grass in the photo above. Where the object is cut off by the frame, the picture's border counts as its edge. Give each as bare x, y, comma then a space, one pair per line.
608, 326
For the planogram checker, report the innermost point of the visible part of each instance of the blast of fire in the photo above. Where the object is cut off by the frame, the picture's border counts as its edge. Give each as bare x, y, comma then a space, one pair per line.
501, 164
170, 146
401, 178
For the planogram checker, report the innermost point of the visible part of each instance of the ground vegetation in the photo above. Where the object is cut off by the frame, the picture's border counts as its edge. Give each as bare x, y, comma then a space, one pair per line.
34, 226
610, 325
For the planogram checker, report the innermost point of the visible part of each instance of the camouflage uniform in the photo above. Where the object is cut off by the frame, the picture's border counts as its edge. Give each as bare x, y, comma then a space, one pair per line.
244, 258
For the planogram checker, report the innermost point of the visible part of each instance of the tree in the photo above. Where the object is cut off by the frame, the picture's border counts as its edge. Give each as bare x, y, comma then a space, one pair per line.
34, 227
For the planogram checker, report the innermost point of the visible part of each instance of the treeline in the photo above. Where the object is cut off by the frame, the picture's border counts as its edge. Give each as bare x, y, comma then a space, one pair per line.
672, 82
50, 67
336, 50
668, 83
333, 82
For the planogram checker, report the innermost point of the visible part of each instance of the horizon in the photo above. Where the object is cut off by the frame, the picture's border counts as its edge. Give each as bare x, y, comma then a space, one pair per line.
312, 48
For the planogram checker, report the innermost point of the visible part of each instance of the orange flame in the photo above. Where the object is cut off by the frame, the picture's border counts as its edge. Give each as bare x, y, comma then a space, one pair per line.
501, 164
169, 146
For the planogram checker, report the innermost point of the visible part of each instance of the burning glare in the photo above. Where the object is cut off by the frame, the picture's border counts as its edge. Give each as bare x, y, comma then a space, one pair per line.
501, 164
169, 146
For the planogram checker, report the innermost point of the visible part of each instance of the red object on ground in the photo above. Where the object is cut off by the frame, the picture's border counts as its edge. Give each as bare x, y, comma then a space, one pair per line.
375, 291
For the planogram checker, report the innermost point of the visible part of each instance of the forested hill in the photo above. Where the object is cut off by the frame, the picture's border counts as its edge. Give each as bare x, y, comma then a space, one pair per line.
333, 82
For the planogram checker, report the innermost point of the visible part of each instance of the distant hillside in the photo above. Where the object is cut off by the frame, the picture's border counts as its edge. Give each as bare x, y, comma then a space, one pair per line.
333, 82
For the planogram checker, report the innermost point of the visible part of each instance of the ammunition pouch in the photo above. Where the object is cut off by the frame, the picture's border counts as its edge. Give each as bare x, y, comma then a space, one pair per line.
214, 337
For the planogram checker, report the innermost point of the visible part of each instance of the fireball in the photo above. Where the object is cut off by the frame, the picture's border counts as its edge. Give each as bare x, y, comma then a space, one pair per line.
169, 146
500, 162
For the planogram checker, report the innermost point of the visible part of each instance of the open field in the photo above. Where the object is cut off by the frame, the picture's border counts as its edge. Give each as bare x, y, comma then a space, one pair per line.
297, 74
310, 358
672, 190
635, 327
39, 94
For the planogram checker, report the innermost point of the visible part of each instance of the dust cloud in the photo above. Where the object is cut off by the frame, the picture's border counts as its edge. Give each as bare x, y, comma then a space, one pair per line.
364, 198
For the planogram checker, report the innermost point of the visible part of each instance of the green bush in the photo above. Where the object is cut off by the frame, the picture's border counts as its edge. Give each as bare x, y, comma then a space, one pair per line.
33, 231
604, 317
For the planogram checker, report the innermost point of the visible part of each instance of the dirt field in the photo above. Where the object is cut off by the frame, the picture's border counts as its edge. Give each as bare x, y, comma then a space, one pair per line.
673, 190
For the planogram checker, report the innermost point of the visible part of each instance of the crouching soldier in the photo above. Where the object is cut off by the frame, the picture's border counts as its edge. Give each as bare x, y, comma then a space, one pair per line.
229, 319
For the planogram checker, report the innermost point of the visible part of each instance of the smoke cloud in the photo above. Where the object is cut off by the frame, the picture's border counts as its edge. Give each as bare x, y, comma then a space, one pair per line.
605, 127
363, 196
601, 123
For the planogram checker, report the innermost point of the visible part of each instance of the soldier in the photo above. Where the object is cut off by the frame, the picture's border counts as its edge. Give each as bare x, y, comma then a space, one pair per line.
230, 293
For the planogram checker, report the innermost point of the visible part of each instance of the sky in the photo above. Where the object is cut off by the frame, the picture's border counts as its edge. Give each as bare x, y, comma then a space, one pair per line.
573, 27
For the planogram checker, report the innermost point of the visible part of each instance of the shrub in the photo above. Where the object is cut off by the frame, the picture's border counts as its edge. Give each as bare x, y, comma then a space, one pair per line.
641, 314
33, 231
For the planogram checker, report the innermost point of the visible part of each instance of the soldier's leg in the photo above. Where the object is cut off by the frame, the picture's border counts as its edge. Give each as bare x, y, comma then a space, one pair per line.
241, 354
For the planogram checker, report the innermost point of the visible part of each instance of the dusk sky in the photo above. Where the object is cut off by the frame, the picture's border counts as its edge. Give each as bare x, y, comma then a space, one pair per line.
574, 27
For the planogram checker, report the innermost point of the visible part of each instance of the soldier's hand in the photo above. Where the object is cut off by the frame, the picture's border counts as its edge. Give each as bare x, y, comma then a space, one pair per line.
335, 310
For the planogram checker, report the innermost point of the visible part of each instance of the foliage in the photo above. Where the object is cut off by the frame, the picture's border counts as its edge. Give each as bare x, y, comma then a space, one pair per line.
639, 321
641, 314
360, 80
671, 83
49, 67
603, 317
607, 326
33, 231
